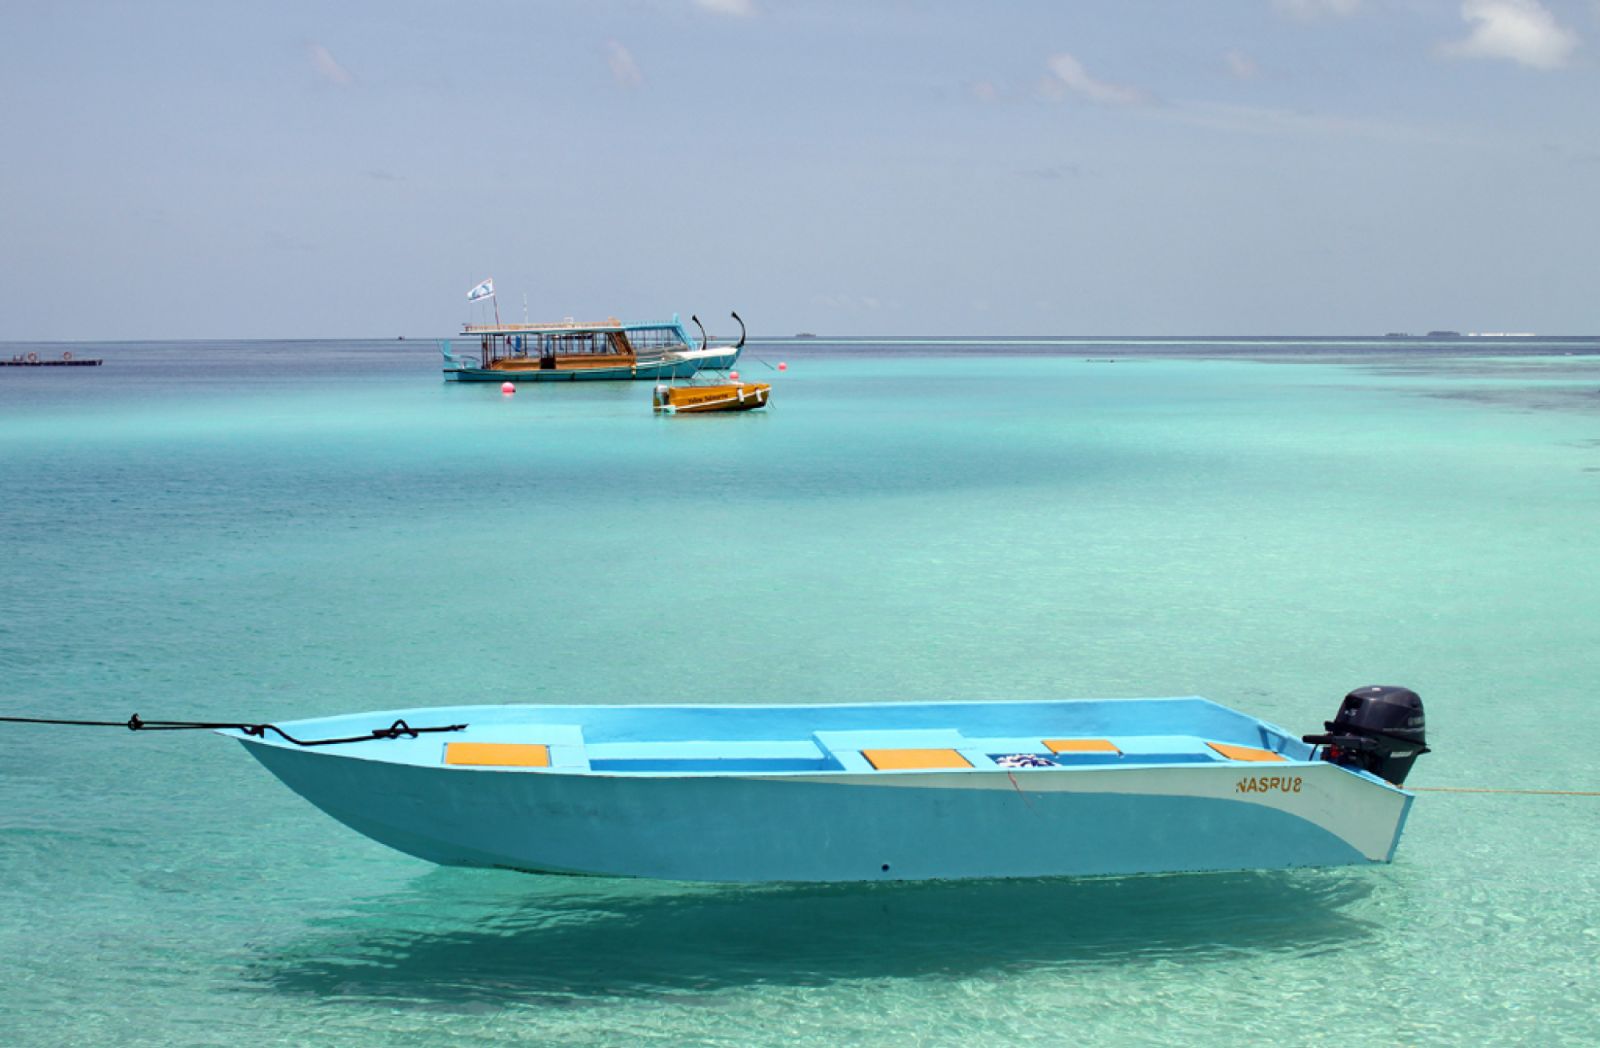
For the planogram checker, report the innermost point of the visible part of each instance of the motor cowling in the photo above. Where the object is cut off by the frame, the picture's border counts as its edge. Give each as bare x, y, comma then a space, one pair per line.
1379, 728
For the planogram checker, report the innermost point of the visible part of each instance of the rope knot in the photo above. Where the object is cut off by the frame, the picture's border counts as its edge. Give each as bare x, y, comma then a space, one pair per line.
395, 730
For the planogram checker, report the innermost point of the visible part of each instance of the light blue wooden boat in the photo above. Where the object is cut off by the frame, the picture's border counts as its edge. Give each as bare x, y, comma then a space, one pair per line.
893, 791
571, 351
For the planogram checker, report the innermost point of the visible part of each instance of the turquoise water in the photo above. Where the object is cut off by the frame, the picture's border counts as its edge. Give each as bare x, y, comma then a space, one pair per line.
274, 530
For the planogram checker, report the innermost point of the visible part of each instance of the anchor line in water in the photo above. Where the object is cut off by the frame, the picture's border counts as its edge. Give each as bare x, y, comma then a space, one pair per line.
1524, 793
135, 723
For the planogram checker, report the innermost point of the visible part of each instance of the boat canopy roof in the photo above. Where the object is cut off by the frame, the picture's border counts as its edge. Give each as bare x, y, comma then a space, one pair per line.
567, 327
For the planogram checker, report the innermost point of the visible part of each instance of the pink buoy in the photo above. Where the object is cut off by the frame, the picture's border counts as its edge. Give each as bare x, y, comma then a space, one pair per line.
734, 375
506, 387
782, 366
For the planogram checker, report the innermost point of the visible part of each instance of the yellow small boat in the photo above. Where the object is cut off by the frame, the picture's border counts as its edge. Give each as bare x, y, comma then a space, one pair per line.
730, 396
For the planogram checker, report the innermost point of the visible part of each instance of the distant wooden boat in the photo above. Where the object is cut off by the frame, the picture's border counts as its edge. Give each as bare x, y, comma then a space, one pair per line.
877, 791
66, 360
571, 351
730, 396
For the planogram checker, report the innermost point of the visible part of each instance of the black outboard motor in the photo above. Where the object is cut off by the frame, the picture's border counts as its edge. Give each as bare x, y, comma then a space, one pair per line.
1379, 729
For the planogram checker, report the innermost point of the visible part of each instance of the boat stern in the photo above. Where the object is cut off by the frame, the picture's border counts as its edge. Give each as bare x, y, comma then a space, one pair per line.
455, 366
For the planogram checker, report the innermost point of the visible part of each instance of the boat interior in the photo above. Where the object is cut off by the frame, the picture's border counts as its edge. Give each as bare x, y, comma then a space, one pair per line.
866, 739
538, 347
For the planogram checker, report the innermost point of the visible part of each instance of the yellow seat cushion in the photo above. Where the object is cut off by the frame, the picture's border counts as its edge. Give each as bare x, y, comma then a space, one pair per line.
497, 754
1244, 753
910, 760
1081, 746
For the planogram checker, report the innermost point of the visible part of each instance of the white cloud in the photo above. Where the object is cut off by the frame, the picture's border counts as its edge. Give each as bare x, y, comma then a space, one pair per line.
736, 8
984, 91
1309, 9
847, 301
323, 62
623, 68
1055, 172
1517, 30
1241, 65
1267, 121
1067, 73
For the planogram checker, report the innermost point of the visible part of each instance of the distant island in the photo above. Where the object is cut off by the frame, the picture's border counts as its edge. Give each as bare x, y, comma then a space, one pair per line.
804, 334
1457, 334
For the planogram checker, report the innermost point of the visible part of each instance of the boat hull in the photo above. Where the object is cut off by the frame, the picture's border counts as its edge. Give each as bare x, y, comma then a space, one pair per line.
659, 369
694, 400
811, 826
714, 358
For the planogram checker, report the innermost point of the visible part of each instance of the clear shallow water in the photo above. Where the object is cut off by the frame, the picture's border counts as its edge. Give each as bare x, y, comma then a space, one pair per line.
270, 530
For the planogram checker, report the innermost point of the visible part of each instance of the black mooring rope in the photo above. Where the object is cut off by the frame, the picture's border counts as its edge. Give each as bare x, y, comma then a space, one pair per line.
135, 723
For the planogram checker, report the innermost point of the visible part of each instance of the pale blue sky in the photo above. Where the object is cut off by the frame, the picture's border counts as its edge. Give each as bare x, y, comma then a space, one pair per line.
298, 169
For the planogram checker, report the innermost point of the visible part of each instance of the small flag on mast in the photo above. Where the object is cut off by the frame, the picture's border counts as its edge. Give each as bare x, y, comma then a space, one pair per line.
483, 290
